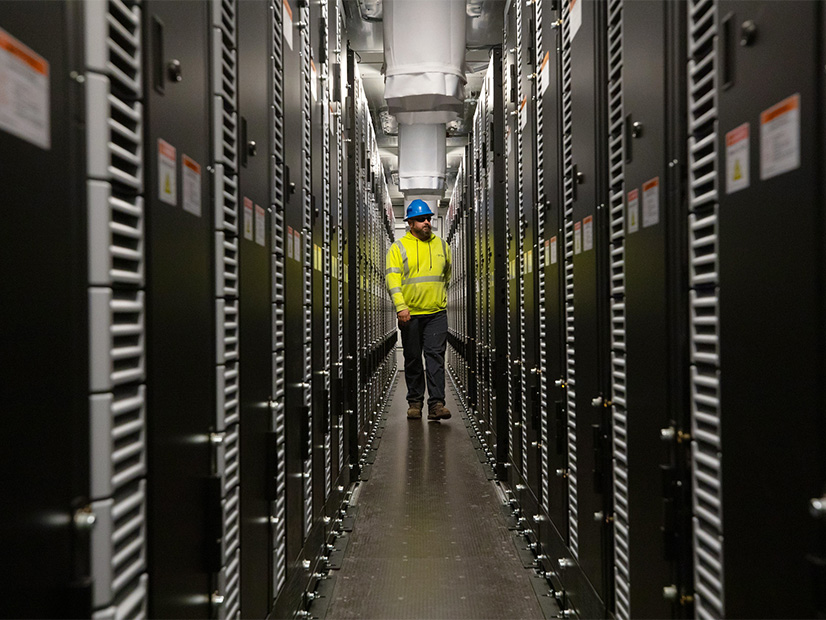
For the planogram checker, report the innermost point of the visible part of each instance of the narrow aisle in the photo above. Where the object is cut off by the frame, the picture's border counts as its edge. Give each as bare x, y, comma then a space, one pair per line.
430, 540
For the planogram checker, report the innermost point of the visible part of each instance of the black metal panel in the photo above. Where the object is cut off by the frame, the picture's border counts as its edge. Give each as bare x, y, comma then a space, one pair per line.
184, 520
318, 46
512, 325
771, 366
550, 251
44, 357
590, 293
529, 249
650, 334
255, 307
295, 416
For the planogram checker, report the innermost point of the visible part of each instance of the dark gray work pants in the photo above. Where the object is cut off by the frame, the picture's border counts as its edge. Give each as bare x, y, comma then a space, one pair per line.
425, 334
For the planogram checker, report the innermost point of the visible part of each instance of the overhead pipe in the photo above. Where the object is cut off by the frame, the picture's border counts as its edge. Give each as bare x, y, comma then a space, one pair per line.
424, 54
422, 159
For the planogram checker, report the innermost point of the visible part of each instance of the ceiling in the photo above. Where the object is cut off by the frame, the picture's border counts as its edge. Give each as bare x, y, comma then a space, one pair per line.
483, 32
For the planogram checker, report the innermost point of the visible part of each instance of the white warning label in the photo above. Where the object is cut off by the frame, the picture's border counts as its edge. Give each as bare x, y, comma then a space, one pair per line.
588, 233
313, 81
737, 158
24, 92
780, 138
577, 237
260, 225
523, 114
248, 219
289, 241
191, 178
545, 74
633, 211
553, 250
287, 14
651, 202
167, 173
575, 17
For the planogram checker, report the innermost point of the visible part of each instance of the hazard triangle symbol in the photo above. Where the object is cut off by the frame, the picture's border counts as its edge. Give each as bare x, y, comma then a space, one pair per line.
167, 189
738, 173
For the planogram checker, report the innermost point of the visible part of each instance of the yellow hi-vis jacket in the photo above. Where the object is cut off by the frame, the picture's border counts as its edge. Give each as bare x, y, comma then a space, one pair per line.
417, 274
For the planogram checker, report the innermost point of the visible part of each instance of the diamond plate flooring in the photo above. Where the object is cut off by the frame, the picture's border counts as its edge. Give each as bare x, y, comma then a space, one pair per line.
430, 540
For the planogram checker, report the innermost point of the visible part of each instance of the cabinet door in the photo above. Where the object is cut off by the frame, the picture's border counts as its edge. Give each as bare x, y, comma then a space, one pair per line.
770, 259
185, 513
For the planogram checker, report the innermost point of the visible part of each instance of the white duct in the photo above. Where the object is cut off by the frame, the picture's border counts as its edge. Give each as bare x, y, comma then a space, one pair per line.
422, 158
424, 55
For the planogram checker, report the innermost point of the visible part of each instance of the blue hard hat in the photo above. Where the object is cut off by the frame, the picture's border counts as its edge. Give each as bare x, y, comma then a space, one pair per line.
416, 208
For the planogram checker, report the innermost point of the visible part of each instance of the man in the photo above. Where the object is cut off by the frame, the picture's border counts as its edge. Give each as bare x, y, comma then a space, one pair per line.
417, 274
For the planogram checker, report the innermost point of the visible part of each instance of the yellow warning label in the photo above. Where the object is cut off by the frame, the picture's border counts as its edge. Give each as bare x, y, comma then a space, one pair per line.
738, 173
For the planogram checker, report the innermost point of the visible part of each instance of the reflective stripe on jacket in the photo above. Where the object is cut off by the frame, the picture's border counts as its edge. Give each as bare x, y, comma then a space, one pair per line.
417, 274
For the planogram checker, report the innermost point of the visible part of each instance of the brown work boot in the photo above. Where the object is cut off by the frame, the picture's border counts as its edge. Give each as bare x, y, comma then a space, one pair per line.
414, 411
438, 411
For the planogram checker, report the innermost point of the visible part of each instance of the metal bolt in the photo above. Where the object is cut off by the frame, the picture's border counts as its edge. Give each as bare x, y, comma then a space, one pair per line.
77, 77
598, 516
217, 438
174, 71
597, 402
85, 518
668, 434
670, 593
565, 563
216, 598
636, 129
306, 564
817, 506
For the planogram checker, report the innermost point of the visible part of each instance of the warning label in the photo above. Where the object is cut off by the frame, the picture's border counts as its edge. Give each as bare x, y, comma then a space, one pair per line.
737, 158
191, 173
167, 173
588, 233
577, 237
780, 138
575, 17
523, 114
313, 81
553, 250
260, 225
651, 202
289, 241
545, 74
633, 211
24, 92
247, 218
287, 16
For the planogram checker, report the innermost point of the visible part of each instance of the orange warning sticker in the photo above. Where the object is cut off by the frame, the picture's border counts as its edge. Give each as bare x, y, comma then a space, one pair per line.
545, 74
287, 18
737, 158
191, 179
167, 173
651, 202
633, 211
575, 18
248, 218
577, 237
780, 138
588, 233
25, 107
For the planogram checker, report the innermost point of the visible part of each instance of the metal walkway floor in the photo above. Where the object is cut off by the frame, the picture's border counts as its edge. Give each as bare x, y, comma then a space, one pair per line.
430, 540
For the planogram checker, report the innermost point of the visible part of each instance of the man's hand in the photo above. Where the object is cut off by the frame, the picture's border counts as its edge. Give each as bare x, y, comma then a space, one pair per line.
404, 317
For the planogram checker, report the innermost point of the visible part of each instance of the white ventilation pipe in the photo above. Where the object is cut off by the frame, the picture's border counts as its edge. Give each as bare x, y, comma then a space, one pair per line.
424, 55
422, 158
